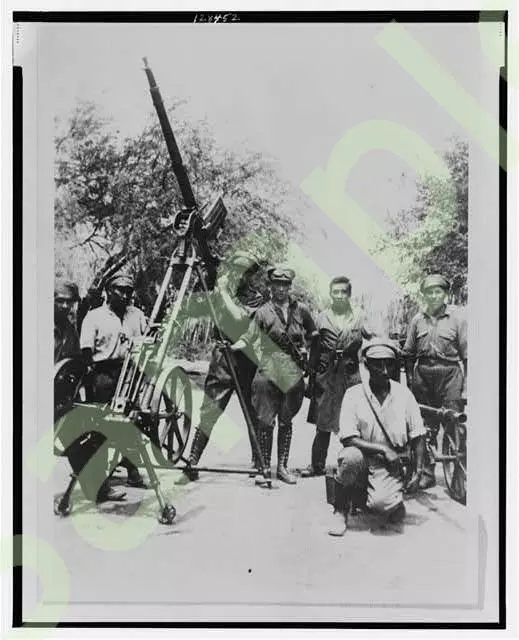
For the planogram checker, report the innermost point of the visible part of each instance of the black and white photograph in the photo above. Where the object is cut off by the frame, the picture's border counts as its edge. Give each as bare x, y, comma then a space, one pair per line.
268, 247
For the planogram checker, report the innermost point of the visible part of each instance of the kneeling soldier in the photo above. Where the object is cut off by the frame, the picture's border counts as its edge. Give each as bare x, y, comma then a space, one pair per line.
380, 422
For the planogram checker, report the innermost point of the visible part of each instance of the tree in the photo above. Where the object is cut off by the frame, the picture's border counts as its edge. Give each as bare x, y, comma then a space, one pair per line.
432, 236
115, 194
112, 194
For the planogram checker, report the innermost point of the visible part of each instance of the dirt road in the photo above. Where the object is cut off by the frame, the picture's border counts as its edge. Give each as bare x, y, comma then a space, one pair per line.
236, 543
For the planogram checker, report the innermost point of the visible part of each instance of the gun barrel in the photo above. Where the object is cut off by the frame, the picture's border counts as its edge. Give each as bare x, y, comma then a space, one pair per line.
171, 144
442, 412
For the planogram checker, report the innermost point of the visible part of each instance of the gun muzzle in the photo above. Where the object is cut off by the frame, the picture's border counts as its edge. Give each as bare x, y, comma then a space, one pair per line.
443, 413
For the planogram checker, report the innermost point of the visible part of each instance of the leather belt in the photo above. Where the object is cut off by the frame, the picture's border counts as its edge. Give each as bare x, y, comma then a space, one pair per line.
433, 361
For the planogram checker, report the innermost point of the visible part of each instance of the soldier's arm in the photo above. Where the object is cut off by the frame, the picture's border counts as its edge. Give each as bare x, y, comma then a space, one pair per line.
235, 310
309, 323
253, 333
87, 339
349, 434
462, 346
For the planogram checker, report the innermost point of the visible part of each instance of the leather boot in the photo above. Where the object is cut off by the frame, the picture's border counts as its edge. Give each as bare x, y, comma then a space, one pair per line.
265, 437
319, 452
339, 519
197, 448
284, 440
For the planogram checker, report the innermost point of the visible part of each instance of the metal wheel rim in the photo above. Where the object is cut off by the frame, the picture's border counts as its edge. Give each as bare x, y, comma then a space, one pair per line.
172, 418
455, 471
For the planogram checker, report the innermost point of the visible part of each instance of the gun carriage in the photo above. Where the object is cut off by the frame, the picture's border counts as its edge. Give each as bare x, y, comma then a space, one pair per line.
453, 452
152, 403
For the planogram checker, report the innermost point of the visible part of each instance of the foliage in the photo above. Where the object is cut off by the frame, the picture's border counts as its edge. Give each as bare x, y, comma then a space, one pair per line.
113, 194
432, 236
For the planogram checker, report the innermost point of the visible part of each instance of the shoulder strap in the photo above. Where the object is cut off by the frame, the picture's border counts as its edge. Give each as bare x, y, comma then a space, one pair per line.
379, 421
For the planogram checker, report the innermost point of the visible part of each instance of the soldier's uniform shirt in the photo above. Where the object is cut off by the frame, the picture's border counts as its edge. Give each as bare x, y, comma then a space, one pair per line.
276, 338
336, 332
438, 345
66, 340
108, 336
278, 386
443, 338
401, 417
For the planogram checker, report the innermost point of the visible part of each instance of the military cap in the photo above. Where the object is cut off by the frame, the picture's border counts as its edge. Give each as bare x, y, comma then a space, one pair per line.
244, 259
378, 348
281, 274
66, 288
340, 280
435, 280
120, 280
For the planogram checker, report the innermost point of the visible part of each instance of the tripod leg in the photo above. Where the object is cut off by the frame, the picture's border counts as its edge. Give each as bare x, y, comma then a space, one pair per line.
167, 511
63, 505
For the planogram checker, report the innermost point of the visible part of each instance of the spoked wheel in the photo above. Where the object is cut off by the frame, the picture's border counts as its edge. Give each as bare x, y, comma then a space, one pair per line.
171, 410
69, 389
68, 381
454, 446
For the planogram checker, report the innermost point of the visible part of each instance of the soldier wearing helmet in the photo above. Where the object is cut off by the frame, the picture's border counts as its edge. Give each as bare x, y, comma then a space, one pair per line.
436, 356
235, 302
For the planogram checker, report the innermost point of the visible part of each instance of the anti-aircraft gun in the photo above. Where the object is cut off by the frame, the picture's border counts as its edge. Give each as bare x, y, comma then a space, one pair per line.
153, 396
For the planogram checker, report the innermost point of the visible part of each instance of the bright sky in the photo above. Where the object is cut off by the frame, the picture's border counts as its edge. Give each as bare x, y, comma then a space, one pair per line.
291, 91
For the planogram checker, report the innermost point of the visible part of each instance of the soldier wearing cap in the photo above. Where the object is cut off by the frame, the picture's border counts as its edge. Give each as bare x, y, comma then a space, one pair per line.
235, 301
380, 421
435, 352
281, 330
334, 367
66, 339
105, 337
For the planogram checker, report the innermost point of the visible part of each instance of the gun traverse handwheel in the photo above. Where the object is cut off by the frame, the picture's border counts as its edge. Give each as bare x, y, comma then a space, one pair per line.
454, 447
171, 410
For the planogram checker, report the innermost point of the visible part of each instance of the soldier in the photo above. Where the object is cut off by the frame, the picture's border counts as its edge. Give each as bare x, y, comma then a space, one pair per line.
66, 339
105, 335
235, 304
79, 448
380, 420
436, 356
334, 367
281, 328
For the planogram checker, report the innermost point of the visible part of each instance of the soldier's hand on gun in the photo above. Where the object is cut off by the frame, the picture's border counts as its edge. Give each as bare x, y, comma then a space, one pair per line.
392, 459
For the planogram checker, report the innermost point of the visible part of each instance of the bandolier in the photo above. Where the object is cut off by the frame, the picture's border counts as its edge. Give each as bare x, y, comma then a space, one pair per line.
281, 330
334, 367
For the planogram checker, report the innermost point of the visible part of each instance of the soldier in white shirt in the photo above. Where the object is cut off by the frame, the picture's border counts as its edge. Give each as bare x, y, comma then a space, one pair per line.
106, 333
380, 420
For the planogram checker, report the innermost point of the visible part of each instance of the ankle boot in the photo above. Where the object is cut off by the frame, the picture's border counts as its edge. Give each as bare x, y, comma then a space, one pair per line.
284, 440
197, 448
265, 437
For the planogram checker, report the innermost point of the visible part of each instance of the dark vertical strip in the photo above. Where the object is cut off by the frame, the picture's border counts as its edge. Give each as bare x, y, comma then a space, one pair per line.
503, 167
17, 342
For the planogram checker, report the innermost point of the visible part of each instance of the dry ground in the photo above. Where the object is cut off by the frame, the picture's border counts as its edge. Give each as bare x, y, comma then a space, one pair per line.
233, 542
